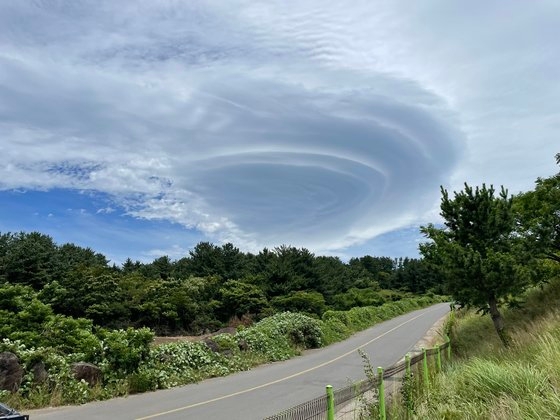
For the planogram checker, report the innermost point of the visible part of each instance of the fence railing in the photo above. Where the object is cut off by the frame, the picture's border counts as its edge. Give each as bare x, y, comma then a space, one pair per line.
319, 408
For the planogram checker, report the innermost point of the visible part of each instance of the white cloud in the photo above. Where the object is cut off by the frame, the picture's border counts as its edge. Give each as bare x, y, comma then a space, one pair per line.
312, 124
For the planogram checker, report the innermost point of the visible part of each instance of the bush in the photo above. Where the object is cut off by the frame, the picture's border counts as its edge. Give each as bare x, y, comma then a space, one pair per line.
124, 350
130, 364
269, 343
337, 325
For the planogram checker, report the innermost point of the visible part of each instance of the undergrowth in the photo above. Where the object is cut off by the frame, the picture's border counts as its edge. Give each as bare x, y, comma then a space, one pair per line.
487, 381
131, 365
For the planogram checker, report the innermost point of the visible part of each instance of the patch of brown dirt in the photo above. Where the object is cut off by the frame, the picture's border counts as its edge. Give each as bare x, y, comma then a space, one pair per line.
166, 340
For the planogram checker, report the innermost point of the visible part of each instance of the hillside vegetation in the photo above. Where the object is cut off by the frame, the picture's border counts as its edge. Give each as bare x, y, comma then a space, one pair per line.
129, 363
489, 381
65, 310
203, 291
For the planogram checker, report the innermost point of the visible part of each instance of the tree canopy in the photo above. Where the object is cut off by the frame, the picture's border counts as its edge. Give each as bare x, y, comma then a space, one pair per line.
205, 289
482, 258
537, 215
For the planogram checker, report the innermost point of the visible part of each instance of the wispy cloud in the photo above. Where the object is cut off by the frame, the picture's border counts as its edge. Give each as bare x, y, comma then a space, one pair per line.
317, 125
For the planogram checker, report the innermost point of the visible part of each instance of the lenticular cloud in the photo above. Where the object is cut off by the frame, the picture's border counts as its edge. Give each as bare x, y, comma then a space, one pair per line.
323, 169
243, 130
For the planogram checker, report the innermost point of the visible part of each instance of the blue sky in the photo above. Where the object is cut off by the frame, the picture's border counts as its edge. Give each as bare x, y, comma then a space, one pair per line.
141, 128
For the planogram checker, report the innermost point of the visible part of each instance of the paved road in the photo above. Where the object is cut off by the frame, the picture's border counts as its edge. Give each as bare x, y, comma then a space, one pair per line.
267, 389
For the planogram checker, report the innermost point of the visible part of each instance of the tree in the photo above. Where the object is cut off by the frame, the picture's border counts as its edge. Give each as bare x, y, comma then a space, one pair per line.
478, 251
91, 292
416, 276
309, 302
71, 256
162, 267
380, 268
205, 260
537, 215
28, 258
355, 297
238, 298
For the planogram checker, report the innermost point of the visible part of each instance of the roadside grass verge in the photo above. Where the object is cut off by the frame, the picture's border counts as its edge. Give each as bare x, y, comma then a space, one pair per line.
486, 380
130, 364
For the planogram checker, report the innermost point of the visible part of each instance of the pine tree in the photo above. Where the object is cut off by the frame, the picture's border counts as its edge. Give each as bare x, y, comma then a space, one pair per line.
478, 252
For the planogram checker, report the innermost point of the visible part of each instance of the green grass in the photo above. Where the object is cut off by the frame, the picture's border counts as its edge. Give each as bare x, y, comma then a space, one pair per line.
486, 380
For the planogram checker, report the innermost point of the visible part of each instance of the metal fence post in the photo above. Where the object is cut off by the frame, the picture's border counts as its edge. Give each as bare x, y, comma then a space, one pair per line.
448, 347
330, 403
425, 368
407, 361
408, 386
382, 414
438, 358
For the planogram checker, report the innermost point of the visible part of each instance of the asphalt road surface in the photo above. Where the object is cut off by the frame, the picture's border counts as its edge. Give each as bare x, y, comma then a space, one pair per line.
267, 389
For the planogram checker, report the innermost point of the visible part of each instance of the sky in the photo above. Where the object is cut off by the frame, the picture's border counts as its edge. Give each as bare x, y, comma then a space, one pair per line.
140, 128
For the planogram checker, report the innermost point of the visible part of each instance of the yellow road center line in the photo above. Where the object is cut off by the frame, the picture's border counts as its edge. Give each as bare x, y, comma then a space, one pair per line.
244, 391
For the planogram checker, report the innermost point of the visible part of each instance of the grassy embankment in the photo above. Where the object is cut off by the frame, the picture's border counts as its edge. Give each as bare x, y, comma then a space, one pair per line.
486, 380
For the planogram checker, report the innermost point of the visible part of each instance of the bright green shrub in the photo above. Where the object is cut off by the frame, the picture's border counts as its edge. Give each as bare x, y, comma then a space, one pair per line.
308, 302
226, 343
124, 350
302, 330
70, 335
270, 343
337, 325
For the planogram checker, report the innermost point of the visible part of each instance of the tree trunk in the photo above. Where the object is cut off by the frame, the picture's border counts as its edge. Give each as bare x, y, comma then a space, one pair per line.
498, 320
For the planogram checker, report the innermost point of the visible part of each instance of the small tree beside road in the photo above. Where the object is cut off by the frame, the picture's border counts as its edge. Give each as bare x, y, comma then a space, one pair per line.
478, 251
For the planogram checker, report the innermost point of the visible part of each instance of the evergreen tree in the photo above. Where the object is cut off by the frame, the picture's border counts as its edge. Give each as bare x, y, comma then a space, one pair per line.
481, 257
537, 215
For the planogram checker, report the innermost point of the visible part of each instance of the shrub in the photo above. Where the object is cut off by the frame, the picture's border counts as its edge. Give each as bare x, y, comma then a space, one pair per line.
124, 350
302, 330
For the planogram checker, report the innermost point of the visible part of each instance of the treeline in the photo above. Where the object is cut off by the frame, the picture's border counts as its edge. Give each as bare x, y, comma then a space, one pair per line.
209, 288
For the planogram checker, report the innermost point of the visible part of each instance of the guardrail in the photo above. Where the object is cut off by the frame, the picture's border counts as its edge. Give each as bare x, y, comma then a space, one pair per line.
325, 405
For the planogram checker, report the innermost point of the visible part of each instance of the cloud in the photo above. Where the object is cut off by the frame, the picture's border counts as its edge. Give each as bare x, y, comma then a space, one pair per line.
316, 125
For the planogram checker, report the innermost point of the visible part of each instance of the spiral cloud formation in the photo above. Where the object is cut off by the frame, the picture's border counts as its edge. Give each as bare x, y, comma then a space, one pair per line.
257, 124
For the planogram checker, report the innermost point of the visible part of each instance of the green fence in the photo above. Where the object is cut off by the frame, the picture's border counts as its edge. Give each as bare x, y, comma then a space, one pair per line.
325, 406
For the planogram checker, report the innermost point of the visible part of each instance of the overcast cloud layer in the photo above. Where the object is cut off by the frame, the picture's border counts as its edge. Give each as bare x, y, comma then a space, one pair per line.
305, 123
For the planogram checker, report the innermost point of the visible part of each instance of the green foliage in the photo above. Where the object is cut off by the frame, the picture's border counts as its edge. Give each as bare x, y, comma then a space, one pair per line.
489, 381
60, 386
302, 330
70, 335
71, 256
28, 259
63, 304
312, 303
355, 297
225, 262
280, 336
479, 253
238, 298
338, 325
378, 269
124, 350
23, 317
202, 291
91, 292
537, 215
131, 364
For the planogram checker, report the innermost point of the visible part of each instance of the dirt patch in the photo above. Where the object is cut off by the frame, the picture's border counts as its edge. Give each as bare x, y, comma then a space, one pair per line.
166, 340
